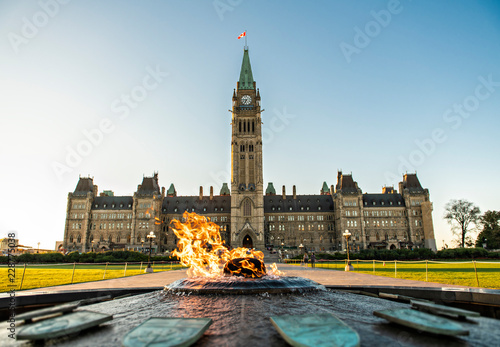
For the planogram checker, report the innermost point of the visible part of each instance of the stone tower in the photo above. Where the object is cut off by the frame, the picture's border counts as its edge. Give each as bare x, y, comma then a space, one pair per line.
247, 195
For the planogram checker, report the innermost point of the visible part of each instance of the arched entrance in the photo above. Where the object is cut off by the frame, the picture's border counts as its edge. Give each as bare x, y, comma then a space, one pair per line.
247, 242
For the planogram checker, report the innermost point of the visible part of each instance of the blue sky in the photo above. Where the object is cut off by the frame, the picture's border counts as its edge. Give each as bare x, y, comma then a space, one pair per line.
375, 88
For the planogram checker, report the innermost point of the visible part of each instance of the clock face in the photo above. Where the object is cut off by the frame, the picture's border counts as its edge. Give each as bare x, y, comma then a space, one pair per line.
246, 99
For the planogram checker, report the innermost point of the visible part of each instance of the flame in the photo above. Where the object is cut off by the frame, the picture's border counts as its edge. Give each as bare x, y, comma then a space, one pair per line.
201, 248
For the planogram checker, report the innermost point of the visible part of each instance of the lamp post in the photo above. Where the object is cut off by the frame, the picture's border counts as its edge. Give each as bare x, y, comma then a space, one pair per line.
92, 246
150, 236
301, 247
142, 242
347, 234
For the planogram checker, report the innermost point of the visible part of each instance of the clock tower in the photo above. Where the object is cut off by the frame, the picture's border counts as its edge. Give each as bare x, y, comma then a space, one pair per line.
247, 195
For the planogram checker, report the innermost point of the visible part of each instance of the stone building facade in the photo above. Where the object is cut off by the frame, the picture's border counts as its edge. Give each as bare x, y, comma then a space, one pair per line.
248, 216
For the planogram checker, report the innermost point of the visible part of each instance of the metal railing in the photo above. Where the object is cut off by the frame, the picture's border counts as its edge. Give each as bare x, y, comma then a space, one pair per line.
30, 276
422, 270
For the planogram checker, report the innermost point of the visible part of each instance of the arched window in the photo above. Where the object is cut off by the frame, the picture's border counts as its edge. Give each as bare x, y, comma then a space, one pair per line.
117, 238
71, 239
138, 238
110, 238
101, 238
128, 239
247, 208
79, 239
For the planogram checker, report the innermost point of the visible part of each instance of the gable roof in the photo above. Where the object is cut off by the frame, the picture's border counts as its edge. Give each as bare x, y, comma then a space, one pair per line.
302, 203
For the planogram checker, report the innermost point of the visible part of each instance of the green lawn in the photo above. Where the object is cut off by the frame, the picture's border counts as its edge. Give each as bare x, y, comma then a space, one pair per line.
454, 272
38, 275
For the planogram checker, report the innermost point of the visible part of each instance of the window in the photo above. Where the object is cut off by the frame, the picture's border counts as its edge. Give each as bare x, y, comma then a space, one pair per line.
247, 208
79, 239
290, 218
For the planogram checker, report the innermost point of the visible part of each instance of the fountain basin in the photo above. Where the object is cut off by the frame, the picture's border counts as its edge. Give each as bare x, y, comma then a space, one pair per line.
239, 285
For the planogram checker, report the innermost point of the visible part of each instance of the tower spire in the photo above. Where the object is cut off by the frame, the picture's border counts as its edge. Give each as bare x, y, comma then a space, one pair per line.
246, 78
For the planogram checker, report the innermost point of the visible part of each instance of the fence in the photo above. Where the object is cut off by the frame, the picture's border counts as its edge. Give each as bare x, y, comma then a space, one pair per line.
29, 276
469, 273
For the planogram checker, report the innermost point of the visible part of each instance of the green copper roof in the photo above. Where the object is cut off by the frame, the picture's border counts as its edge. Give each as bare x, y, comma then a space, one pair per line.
224, 190
325, 188
246, 77
171, 190
270, 189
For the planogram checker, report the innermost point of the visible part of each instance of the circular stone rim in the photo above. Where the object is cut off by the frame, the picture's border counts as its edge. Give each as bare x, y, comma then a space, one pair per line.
280, 285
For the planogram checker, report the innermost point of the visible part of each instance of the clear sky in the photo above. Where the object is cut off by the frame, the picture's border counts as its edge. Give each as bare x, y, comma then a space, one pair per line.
376, 88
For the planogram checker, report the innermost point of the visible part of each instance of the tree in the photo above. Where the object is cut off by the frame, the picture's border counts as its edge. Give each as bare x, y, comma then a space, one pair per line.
461, 214
490, 235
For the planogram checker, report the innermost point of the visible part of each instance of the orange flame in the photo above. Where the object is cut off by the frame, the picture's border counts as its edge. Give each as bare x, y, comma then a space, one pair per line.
201, 248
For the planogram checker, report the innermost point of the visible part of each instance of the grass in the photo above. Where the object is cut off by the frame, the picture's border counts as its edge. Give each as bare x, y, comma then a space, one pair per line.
453, 272
458, 272
39, 275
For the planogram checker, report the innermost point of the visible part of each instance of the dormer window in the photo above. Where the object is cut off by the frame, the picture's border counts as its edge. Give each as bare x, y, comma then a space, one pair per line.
104, 205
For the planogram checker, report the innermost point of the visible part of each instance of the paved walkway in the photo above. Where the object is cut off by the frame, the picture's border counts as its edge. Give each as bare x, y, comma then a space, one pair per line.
322, 276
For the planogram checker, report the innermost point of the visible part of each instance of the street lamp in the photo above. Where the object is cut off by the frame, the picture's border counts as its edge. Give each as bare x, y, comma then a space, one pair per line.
92, 245
150, 236
347, 234
142, 242
301, 247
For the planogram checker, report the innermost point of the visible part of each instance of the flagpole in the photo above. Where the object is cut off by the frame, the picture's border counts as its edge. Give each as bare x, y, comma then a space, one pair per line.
246, 40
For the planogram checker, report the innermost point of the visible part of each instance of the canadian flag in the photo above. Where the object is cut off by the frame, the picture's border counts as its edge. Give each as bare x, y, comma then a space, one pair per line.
244, 34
